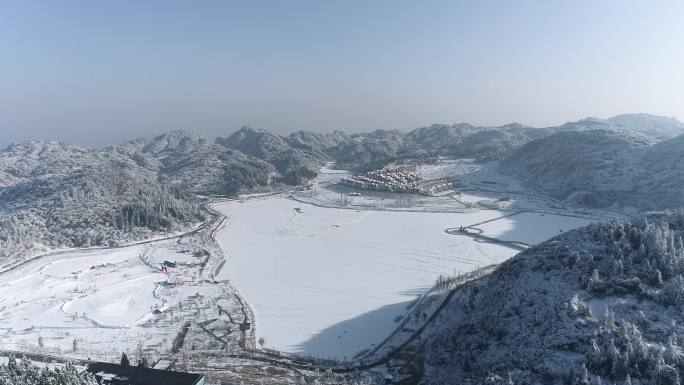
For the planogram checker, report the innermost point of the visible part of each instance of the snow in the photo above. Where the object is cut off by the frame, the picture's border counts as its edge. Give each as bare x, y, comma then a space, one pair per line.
100, 297
327, 174
531, 227
331, 282
119, 304
47, 291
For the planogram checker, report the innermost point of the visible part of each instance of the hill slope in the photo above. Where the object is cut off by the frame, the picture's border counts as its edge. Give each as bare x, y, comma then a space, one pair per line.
189, 162
604, 168
54, 194
658, 127
594, 305
61, 195
297, 160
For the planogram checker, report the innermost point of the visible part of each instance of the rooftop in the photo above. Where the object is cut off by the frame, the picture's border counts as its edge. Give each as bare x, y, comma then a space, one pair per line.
114, 374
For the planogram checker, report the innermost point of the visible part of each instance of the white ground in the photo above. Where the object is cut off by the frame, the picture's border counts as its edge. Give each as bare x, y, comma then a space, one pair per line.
98, 297
111, 295
333, 279
330, 282
531, 227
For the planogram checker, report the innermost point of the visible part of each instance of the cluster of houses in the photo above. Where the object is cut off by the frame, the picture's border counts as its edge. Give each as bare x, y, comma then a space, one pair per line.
397, 180
385, 180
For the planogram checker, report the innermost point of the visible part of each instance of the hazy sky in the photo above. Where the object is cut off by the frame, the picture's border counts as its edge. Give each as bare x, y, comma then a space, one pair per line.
93, 72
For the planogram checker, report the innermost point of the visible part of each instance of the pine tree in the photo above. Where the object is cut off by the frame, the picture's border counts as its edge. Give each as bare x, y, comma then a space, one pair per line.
509, 381
124, 360
143, 363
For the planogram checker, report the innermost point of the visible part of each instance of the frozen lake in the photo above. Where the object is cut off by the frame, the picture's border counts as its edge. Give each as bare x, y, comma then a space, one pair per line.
331, 282
531, 227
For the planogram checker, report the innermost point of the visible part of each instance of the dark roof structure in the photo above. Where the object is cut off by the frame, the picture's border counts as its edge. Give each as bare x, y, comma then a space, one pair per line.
113, 374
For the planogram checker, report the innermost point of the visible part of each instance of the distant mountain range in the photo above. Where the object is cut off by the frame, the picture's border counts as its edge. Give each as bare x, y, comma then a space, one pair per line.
57, 194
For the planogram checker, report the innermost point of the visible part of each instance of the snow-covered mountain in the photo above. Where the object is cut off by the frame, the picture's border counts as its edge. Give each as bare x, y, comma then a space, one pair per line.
374, 150
54, 194
366, 151
190, 162
654, 127
600, 304
604, 168
295, 164
658, 127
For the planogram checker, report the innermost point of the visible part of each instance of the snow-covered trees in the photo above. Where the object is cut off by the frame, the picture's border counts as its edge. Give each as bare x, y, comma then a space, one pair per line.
672, 293
600, 304
601, 165
143, 362
22, 372
53, 194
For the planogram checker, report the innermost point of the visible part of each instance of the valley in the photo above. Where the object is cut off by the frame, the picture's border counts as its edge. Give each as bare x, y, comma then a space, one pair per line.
258, 258
331, 281
311, 276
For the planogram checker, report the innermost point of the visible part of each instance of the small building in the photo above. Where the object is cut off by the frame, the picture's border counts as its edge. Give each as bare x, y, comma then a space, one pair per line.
174, 280
114, 374
158, 309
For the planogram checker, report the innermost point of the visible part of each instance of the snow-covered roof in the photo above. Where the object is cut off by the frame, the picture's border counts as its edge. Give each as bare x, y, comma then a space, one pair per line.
173, 279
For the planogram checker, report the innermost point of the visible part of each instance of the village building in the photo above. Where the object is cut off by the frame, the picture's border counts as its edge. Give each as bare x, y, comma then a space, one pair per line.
174, 280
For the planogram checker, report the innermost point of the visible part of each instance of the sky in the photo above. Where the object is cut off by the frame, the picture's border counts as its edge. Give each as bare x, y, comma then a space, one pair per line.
101, 72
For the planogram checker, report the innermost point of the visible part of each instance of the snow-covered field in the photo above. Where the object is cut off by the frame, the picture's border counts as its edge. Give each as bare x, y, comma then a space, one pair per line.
332, 282
98, 298
112, 287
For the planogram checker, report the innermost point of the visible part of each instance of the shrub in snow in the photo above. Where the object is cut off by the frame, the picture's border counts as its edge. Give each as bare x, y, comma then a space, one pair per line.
22, 372
672, 293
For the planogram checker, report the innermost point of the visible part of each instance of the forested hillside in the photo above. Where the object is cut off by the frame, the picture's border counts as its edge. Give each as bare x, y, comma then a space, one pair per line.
193, 164
296, 160
604, 168
367, 151
601, 304
52, 194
